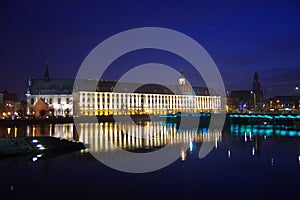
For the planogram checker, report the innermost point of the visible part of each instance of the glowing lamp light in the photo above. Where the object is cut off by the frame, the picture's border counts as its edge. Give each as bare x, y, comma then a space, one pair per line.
191, 146
228, 153
272, 161
42, 148
183, 156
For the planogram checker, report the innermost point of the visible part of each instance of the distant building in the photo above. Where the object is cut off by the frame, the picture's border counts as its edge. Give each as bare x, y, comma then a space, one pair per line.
9, 104
112, 98
284, 103
239, 100
243, 100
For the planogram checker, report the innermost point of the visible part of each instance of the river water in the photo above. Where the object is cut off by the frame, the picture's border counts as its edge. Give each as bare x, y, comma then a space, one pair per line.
246, 162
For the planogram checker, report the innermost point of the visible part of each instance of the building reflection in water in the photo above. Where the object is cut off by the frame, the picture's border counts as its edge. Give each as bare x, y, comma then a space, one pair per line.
107, 136
149, 136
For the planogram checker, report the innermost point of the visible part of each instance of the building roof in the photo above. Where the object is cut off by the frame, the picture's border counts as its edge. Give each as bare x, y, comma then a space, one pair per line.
52, 86
65, 86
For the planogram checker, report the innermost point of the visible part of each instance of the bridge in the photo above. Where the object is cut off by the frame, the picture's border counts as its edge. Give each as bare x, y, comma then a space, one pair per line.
287, 120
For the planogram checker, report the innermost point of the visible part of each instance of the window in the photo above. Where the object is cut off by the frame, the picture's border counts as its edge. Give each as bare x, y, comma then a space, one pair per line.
58, 100
32, 101
68, 101
50, 101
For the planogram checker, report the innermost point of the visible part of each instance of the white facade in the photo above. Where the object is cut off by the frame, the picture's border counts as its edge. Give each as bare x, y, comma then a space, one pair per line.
106, 103
59, 104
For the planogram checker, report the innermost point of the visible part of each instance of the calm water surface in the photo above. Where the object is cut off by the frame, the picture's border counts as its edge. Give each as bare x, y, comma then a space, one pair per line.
248, 161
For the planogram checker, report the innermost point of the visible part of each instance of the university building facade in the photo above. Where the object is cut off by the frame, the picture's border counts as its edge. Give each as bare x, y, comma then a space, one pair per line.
106, 103
55, 97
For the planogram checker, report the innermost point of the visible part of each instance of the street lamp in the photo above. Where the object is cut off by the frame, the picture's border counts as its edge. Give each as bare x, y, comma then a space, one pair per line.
297, 89
254, 100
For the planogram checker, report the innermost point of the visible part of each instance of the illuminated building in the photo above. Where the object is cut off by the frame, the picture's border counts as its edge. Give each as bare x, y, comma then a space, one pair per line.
56, 93
105, 103
10, 106
107, 100
147, 99
284, 103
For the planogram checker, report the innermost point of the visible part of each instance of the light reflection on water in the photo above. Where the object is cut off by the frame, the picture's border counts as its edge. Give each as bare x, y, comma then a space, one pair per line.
245, 156
128, 136
150, 136
108, 136
263, 129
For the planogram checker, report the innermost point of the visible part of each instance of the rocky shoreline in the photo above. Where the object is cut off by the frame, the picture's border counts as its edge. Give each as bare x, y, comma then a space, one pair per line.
37, 145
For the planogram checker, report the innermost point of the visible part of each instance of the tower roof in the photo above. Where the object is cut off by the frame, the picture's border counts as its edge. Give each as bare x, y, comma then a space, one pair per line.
255, 76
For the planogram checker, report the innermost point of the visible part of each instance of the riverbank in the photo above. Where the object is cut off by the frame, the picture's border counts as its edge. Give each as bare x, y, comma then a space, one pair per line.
63, 120
37, 145
204, 117
53, 120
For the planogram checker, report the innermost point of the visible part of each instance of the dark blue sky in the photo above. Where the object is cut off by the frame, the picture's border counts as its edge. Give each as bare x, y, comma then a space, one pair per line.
242, 37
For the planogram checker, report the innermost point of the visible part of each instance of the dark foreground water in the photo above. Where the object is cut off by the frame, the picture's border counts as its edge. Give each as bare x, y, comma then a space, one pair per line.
247, 162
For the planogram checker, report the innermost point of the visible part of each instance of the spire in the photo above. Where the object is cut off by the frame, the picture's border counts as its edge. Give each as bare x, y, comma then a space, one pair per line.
255, 76
46, 74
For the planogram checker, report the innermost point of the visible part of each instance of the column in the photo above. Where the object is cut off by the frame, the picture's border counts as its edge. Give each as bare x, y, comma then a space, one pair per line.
105, 101
96, 103
100, 101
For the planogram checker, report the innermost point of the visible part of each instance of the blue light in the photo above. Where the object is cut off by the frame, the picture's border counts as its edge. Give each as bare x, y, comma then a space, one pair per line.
292, 133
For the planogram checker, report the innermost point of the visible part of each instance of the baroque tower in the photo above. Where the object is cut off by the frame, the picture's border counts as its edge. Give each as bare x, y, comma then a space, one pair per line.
184, 86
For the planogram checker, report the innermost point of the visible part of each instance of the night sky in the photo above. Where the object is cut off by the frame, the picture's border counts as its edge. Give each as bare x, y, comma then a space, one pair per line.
242, 37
